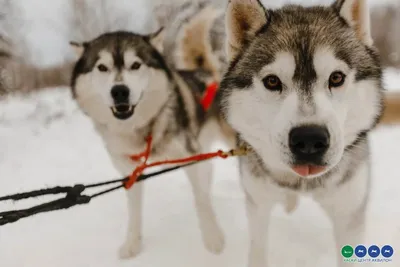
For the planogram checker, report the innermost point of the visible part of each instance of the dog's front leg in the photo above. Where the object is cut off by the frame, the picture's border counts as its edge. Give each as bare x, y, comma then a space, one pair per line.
133, 241
349, 230
259, 203
258, 215
346, 206
200, 177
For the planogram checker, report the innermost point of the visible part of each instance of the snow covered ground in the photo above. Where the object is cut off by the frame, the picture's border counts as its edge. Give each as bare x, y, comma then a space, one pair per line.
46, 141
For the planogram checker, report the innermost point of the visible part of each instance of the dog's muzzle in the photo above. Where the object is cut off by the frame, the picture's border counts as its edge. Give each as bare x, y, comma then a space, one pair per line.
309, 145
122, 108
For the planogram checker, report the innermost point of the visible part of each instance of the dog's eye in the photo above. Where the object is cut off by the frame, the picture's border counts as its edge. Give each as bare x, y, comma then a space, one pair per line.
273, 83
102, 68
135, 66
336, 79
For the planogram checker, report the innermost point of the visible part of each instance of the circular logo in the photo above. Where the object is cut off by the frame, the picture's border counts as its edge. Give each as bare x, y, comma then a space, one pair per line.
387, 251
347, 251
360, 251
374, 251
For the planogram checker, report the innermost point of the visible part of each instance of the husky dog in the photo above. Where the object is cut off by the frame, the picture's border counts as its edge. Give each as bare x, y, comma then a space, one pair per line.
122, 82
303, 91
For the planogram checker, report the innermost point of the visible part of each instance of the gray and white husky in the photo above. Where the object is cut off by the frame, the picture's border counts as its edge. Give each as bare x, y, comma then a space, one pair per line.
122, 82
303, 91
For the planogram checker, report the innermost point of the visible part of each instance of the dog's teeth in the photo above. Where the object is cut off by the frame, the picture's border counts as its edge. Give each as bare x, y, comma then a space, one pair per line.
114, 109
130, 108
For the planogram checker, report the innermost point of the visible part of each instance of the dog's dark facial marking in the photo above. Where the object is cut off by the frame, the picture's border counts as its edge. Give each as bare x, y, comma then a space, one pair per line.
301, 31
117, 43
304, 73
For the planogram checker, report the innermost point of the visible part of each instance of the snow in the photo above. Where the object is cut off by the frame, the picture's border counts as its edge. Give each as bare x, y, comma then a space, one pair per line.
46, 141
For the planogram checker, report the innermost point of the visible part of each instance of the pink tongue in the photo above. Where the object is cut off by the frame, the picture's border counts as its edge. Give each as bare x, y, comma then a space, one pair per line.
303, 170
306, 170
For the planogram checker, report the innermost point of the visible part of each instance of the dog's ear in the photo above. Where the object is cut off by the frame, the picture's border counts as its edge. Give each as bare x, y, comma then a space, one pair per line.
244, 18
156, 39
79, 48
356, 14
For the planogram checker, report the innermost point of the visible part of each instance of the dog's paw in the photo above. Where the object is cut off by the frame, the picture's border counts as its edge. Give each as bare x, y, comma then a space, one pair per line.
130, 249
215, 243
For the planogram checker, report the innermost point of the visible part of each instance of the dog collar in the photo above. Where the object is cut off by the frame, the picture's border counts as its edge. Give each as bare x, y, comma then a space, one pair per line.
209, 95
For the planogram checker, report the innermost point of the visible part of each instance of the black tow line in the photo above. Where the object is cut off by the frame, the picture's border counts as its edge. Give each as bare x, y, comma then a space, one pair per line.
72, 198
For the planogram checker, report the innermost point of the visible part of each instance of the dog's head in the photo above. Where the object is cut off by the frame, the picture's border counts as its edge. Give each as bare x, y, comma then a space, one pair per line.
304, 83
116, 72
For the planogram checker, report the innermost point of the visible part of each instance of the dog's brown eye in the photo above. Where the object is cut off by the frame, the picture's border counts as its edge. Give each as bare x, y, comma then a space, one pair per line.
135, 66
273, 83
102, 68
336, 79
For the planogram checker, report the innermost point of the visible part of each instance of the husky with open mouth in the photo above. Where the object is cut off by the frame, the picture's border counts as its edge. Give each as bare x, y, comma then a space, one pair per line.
122, 82
303, 91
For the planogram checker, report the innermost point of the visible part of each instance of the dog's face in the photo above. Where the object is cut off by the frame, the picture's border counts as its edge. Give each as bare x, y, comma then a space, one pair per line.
304, 84
114, 72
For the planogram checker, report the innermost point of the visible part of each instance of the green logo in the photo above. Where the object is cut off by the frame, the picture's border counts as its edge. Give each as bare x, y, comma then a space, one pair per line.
347, 251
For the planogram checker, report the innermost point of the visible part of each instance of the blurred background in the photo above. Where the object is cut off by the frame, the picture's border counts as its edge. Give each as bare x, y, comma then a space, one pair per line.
46, 141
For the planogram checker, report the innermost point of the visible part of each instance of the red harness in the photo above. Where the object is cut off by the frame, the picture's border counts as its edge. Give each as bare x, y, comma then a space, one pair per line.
206, 101
143, 157
209, 95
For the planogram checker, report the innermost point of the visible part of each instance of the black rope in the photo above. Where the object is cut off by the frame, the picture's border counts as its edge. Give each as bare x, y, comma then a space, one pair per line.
147, 176
72, 198
37, 193
106, 191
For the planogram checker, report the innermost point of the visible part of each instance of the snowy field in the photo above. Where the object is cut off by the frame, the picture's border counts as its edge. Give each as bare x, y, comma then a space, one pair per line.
46, 141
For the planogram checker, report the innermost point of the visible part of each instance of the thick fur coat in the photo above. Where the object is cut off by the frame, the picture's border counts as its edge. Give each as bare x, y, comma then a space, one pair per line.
122, 82
315, 79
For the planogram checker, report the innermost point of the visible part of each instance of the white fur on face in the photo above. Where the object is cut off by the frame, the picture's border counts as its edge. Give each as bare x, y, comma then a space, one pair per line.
135, 80
148, 90
351, 108
265, 118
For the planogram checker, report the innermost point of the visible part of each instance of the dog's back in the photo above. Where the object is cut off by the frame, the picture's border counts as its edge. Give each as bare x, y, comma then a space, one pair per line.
195, 34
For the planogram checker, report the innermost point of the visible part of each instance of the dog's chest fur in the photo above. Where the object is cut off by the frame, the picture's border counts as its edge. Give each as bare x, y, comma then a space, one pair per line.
165, 144
122, 143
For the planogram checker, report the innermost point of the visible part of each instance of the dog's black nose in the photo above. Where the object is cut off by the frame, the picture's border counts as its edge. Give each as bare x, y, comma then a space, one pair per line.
309, 143
120, 94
